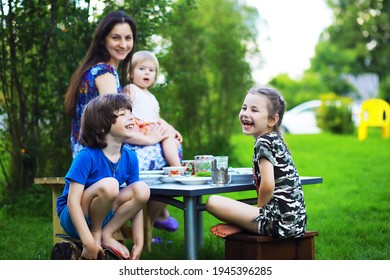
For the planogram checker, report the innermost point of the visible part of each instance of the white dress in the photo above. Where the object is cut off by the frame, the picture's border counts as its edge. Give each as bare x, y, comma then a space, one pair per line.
146, 108
146, 111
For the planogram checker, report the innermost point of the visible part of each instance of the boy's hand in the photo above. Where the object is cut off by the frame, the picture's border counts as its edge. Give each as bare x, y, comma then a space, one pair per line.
91, 252
136, 252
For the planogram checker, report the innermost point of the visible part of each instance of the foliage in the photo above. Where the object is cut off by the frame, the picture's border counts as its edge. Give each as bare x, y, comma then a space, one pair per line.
295, 92
357, 42
47, 41
330, 64
385, 89
335, 114
206, 72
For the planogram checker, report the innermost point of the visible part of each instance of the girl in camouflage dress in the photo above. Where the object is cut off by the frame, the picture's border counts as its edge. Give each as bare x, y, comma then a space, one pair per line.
280, 210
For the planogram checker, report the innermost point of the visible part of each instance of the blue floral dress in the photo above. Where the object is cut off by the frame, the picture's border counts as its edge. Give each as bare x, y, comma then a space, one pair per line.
88, 91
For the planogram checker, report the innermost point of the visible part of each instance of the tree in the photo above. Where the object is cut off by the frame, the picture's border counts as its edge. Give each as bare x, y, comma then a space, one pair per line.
357, 42
206, 71
40, 46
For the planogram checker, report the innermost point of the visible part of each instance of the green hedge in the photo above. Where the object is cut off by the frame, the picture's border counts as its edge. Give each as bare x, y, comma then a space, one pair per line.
335, 114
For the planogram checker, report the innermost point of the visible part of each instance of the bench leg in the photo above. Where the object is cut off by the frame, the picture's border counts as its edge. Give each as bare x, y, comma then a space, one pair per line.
305, 249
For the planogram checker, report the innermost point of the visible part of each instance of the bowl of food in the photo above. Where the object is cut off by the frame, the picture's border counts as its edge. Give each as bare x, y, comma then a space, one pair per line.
174, 170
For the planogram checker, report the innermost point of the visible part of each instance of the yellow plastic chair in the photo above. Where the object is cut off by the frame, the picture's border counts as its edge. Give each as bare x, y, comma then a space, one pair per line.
374, 112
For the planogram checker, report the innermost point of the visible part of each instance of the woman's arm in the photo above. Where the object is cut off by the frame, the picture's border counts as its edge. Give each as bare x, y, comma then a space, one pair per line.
106, 83
267, 184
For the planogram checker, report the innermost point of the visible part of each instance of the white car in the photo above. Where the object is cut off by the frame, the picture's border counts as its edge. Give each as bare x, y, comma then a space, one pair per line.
302, 118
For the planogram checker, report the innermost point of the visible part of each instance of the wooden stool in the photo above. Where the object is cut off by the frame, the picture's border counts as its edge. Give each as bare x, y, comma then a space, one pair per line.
56, 184
249, 246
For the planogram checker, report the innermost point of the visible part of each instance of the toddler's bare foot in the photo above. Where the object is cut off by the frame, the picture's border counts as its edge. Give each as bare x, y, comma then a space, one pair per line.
116, 247
224, 230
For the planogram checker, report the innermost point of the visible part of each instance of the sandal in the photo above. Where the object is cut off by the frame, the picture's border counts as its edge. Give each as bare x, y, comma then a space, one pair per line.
169, 224
157, 240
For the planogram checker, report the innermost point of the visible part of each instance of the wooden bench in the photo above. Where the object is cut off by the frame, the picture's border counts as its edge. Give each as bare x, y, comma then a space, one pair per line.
56, 184
249, 246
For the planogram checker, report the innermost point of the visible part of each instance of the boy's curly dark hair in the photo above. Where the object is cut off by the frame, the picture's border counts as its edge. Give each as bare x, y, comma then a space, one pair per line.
99, 115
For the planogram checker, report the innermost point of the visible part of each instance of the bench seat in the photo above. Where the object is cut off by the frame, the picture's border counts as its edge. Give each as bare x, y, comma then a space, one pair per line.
250, 246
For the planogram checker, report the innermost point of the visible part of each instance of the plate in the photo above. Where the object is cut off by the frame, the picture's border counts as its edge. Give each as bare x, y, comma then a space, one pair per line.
169, 179
151, 172
242, 170
149, 179
194, 180
241, 178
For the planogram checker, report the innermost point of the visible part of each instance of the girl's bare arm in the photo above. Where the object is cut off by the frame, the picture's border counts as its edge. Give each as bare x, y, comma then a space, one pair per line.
267, 185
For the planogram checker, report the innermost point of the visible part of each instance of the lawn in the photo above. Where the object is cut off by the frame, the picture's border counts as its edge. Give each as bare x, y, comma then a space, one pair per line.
350, 210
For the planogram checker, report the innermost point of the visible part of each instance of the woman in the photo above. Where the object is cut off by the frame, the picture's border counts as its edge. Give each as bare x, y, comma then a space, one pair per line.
113, 43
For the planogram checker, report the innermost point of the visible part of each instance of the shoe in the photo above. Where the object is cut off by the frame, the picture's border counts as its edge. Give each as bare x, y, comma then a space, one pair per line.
111, 253
157, 240
169, 224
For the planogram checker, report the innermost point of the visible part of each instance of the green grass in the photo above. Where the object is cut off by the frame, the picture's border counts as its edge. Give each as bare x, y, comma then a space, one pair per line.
350, 210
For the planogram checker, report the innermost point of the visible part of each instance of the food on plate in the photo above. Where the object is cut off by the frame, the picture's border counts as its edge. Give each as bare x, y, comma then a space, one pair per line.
203, 174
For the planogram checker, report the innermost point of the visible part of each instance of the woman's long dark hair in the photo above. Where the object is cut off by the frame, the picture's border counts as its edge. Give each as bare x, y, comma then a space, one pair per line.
97, 53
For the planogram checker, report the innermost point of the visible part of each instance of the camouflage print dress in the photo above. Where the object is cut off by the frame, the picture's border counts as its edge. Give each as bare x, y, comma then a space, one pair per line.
285, 214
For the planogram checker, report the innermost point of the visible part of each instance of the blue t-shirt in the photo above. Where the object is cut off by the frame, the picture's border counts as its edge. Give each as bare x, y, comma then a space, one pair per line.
91, 165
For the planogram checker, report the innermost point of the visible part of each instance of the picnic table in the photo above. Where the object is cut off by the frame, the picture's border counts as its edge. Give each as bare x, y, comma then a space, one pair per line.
192, 205
188, 198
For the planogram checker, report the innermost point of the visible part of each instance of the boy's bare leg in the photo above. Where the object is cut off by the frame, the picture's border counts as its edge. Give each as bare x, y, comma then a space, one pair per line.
137, 226
128, 204
98, 203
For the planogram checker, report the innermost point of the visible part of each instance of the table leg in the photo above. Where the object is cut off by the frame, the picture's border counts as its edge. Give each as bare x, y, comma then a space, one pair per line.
190, 232
199, 222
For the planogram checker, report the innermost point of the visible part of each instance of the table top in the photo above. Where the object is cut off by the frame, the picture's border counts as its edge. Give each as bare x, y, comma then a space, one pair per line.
172, 189
175, 189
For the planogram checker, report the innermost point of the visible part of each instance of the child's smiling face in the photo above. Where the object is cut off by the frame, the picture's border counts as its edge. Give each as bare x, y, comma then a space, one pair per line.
124, 124
254, 115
